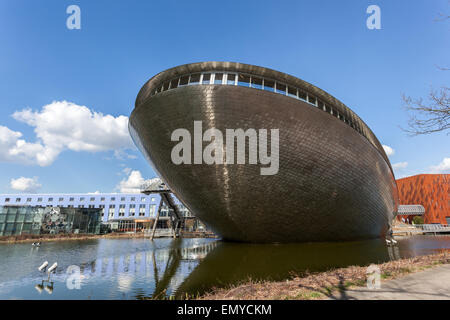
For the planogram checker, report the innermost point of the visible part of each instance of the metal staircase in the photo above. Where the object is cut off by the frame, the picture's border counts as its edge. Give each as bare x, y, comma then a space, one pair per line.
176, 217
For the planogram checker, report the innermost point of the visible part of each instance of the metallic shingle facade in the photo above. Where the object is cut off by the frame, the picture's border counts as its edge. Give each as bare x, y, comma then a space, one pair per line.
334, 180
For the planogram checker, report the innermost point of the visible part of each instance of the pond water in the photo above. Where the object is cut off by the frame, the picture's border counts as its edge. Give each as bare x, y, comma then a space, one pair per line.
140, 268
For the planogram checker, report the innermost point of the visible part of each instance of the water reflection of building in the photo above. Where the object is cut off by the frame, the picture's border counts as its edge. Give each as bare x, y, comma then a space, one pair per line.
167, 268
142, 261
17, 220
231, 263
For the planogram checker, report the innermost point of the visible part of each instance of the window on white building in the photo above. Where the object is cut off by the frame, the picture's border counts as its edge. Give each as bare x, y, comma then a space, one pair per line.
152, 210
121, 210
132, 210
111, 210
142, 209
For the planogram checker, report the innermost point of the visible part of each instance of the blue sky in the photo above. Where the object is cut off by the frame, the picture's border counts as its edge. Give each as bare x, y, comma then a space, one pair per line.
122, 44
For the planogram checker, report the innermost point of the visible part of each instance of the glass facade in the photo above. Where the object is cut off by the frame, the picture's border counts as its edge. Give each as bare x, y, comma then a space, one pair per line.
112, 205
17, 220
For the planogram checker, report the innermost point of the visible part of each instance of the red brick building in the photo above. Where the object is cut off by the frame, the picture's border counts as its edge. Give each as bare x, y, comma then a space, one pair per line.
429, 190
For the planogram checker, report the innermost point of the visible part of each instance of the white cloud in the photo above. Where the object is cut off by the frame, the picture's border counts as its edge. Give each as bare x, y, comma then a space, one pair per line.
25, 184
15, 149
132, 183
443, 167
61, 126
400, 165
120, 154
389, 151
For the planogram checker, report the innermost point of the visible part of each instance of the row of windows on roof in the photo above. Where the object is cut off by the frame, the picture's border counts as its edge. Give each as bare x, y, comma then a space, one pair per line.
71, 199
247, 80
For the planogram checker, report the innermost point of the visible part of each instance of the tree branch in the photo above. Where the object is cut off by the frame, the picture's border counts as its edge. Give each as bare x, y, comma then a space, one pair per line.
425, 118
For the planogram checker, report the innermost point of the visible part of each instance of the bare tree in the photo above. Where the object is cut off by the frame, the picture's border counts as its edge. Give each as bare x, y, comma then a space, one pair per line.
429, 117
434, 115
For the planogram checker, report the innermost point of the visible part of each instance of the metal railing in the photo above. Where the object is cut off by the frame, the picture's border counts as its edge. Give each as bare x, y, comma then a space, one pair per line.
433, 227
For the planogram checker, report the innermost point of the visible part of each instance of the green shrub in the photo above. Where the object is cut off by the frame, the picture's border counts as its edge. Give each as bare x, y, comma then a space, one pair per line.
418, 220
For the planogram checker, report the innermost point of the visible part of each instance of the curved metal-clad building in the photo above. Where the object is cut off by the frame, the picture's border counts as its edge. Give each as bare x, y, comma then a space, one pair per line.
334, 180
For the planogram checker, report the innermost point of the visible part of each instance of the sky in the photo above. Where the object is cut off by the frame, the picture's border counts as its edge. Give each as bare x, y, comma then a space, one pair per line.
66, 94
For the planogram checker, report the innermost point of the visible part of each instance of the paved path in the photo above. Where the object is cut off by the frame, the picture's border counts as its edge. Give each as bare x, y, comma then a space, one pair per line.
431, 284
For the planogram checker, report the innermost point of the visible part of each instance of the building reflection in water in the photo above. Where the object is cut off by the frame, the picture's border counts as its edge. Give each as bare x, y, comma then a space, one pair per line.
231, 263
163, 270
177, 269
